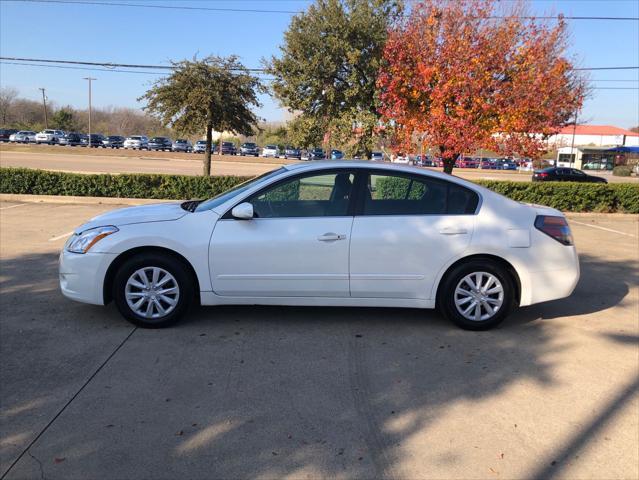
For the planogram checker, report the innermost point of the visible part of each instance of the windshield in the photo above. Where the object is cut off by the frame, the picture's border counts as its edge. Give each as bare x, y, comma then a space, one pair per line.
249, 145
242, 187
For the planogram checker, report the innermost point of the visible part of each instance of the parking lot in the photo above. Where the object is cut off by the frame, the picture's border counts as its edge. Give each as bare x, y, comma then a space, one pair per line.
81, 160
283, 392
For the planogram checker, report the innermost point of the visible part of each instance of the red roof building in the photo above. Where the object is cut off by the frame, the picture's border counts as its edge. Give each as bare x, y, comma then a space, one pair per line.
594, 135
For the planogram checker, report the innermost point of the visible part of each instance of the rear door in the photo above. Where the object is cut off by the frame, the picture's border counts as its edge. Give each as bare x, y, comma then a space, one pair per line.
406, 229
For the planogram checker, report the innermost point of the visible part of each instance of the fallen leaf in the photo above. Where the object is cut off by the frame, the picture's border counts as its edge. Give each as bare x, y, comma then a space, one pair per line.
59, 459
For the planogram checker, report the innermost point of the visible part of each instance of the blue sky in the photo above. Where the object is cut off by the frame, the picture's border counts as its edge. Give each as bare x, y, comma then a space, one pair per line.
155, 36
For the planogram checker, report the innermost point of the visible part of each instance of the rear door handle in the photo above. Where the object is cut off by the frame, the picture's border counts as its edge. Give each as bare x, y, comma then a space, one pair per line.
453, 231
331, 237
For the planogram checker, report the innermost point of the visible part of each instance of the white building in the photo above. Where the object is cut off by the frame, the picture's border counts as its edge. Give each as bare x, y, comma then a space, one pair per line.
594, 135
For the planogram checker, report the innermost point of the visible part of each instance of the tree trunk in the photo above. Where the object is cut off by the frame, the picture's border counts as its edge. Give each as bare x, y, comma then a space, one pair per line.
449, 164
207, 153
449, 161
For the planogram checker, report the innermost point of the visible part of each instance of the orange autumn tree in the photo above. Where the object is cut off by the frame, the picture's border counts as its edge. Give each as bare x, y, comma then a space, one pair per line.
463, 76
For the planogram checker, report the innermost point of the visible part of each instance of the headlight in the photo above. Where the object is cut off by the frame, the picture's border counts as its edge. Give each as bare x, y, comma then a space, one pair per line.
82, 242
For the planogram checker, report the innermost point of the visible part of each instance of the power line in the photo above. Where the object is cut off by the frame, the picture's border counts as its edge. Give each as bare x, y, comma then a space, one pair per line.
102, 64
170, 67
83, 68
108, 70
293, 12
266, 79
164, 7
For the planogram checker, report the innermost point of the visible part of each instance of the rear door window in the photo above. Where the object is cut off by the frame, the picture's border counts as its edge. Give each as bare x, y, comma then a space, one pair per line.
400, 194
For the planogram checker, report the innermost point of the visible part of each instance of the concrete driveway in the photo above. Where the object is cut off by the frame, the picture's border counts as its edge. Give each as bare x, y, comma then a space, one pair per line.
257, 392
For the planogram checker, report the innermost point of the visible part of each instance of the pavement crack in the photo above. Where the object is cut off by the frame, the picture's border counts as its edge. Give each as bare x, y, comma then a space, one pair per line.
39, 464
61, 411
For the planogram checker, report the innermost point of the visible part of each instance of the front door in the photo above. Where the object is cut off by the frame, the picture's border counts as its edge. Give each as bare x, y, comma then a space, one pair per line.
296, 245
407, 228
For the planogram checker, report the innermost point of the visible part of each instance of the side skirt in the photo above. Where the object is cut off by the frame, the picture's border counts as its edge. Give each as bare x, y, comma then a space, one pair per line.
210, 298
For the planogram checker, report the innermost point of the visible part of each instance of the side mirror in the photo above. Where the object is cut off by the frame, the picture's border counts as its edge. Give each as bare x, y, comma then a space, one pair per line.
243, 211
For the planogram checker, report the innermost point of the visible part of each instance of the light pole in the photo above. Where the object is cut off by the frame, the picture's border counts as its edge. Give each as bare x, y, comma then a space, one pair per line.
90, 79
44, 104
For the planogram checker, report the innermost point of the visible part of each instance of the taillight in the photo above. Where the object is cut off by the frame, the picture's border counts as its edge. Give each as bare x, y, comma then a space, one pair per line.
542, 175
555, 227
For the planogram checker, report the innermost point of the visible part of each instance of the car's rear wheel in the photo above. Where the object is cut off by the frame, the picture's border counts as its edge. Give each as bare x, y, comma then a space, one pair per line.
153, 291
477, 295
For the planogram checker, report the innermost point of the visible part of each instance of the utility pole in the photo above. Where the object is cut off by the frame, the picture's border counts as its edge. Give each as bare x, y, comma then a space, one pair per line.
44, 104
572, 144
90, 79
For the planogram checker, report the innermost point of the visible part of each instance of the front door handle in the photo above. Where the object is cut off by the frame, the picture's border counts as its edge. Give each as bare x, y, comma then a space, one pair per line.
331, 237
453, 231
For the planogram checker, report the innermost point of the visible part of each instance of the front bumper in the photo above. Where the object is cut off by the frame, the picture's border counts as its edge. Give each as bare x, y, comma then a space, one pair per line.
82, 275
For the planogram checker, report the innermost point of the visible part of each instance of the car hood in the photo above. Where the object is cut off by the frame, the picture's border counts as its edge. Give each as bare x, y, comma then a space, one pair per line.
161, 212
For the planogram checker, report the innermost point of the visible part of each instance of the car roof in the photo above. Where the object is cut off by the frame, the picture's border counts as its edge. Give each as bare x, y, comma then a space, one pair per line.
328, 164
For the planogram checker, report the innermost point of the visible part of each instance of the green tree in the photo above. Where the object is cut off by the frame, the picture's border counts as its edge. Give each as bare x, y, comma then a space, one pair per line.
328, 68
213, 93
64, 119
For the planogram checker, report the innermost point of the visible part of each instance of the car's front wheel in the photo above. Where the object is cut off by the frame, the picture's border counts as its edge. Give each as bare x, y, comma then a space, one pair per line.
153, 291
477, 295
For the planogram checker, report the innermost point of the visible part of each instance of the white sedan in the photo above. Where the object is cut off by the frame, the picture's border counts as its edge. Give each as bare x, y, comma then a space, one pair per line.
329, 233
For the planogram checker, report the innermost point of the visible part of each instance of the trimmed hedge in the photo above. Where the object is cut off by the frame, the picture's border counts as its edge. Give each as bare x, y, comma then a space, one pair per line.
622, 171
568, 197
571, 196
44, 182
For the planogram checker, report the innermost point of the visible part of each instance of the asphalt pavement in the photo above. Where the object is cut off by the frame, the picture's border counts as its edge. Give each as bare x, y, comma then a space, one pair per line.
280, 392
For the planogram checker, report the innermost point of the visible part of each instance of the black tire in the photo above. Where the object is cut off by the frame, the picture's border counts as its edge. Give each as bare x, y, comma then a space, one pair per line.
175, 267
446, 294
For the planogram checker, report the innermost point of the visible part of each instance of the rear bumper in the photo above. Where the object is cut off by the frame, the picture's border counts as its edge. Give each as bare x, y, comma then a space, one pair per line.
544, 285
82, 276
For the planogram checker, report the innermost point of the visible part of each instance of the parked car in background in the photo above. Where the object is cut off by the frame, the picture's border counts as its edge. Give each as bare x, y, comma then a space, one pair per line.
506, 164
5, 134
49, 136
71, 139
467, 162
489, 164
328, 220
249, 149
316, 154
271, 151
182, 145
23, 136
227, 148
136, 142
292, 152
200, 146
113, 141
160, 144
560, 174
337, 155
94, 140
401, 159
377, 156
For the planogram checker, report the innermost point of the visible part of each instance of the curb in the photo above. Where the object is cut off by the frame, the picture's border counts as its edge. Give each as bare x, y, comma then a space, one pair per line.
68, 199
